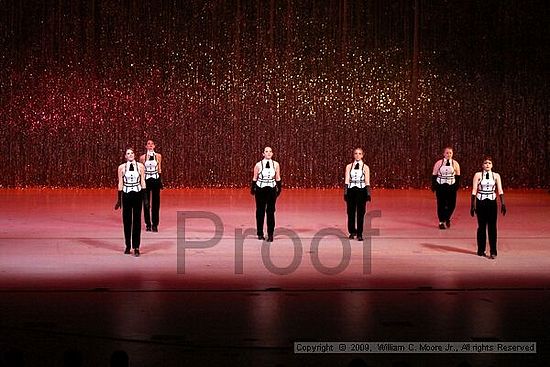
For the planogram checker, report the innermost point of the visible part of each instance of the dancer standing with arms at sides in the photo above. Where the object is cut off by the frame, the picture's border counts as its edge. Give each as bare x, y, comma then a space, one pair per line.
266, 187
445, 183
153, 168
485, 187
357, 193
131, 189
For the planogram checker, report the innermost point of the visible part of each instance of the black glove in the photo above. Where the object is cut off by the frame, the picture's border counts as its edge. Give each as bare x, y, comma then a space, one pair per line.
253, 188
457, 182
473, 205
145, 199
278, 187
345, 192
502, 205
368, 192
119, 200
161, 186
434, 183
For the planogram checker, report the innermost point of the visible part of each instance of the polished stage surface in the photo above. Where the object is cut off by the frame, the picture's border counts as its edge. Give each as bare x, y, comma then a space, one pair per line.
205, 291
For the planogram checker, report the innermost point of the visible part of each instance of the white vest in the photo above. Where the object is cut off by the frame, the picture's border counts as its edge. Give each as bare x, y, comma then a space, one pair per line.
131, 178
151, 165
266, 176
446, 174
486, 187
357, 176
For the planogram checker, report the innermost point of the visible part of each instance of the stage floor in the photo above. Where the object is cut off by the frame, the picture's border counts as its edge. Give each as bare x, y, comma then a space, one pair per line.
206, 293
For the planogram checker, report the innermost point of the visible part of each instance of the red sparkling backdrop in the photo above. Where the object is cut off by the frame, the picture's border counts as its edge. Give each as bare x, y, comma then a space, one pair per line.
213, 82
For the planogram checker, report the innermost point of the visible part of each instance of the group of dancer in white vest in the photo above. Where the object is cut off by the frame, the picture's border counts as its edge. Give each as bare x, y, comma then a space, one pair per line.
139, 183
486, 185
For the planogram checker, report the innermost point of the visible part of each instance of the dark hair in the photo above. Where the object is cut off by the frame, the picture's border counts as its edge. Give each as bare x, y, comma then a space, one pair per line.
448, 147
487, 158
119, 358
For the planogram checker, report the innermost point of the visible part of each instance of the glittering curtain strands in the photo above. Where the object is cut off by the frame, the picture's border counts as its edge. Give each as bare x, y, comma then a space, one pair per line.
213, 82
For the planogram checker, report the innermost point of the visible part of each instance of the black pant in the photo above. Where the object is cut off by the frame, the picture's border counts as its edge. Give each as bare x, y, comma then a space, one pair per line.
153, 187
265, 204
131, 217
486, 211
446, 201
356, 203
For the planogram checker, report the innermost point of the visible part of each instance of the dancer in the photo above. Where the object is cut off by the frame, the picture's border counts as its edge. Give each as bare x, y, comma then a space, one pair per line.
445, 183
485, 186
266, 186
357, 193
131, 189
152, 162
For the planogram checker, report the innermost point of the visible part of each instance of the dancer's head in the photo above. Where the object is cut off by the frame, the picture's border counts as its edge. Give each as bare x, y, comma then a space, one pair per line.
448, 153
268, 153
150, 145
358, 154
487, 163
129, 155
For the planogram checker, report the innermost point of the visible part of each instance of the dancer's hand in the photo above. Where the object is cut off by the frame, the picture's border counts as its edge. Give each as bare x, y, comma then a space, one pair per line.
278, 188
145, 199
434, 183
346, 193
119, 200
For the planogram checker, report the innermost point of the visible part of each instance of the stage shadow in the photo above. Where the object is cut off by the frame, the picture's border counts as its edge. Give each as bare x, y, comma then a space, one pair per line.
444, 248
101, 243
418, 223
146, 244
156, 246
